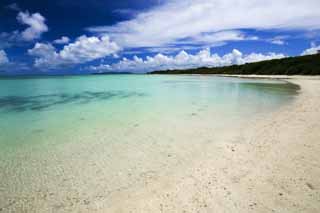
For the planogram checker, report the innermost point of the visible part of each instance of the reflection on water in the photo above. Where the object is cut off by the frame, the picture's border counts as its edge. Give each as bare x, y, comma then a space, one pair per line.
41, 102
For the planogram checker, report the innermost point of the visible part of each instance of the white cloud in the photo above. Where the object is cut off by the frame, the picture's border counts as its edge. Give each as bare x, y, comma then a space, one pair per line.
36, 27
314, 49
184, 60
3, 57
46, 55
182, 19
216, 38
62, 40
7, 66
84, 49
36, 23
278, 40
167, 50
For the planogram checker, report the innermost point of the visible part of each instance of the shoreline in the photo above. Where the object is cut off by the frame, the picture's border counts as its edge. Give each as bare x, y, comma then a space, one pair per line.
267, 163
271, 166
283, 151
272, 77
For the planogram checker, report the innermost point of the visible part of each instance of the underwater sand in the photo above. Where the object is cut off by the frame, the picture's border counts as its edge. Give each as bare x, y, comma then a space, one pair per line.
138, 143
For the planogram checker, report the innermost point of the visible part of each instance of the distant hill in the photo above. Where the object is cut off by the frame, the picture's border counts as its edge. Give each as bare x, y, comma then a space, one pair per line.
301, 65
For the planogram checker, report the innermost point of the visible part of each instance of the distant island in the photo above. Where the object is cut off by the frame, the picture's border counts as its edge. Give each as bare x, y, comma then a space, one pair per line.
300, 65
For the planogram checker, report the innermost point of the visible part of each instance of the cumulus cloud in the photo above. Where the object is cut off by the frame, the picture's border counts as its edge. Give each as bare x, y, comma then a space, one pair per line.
83, 50
183, 19
37, 27
36, 23
184, 60
3, 57
314, 49
62, 40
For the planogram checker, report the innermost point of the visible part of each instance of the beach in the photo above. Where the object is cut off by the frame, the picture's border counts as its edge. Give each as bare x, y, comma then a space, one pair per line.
204, 106
267, 163
275, 170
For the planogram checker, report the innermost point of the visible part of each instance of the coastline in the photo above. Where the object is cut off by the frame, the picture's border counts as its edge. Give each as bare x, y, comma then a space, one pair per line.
280, 155
268, 163
272, 77
271, 166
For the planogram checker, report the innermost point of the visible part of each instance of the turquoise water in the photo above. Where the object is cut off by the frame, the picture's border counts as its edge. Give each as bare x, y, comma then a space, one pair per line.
33, 109
88, 138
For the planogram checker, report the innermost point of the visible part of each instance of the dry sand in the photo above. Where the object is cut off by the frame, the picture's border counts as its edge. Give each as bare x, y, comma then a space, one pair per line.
275, 167
271, 164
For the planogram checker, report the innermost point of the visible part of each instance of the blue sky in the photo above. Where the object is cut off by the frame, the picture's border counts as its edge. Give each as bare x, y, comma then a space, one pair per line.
72, 37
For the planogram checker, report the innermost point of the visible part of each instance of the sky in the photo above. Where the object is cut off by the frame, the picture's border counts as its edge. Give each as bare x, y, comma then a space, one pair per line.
79, 37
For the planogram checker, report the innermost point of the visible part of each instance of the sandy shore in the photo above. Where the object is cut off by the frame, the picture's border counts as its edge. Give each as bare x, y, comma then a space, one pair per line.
270, 164
278, 168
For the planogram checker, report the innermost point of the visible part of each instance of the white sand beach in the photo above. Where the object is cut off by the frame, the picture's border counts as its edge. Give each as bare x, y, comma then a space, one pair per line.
276, 169
126, 106
269, 164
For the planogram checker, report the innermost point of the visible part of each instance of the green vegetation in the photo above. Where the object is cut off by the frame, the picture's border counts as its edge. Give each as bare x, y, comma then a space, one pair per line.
301, 65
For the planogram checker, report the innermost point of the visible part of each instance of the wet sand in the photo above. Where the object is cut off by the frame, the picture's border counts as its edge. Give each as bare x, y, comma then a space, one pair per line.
269, 164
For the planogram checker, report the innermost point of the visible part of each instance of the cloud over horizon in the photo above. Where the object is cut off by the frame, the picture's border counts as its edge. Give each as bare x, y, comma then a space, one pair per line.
83, 50
314, 49
183, 60
157, 34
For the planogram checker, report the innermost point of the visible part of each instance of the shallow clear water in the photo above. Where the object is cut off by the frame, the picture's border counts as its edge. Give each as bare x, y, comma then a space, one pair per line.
94, 138
32, 109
